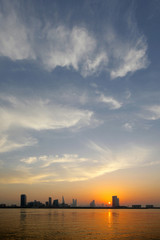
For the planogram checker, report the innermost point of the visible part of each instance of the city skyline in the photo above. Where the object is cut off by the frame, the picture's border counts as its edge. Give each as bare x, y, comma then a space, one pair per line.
56, 203
80, 100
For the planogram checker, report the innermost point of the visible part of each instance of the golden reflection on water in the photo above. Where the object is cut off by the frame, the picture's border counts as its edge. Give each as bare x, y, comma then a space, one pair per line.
109, 218
70, 224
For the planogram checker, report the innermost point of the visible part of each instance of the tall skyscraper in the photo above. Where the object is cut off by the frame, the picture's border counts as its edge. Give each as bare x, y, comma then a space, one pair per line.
50, 201
115, 201
23, 200
63, 202
74, 203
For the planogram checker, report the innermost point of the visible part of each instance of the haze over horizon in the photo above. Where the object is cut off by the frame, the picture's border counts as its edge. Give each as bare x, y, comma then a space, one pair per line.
80, 100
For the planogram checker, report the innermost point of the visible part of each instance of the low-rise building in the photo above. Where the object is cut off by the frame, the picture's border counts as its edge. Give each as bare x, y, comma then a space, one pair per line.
136, 206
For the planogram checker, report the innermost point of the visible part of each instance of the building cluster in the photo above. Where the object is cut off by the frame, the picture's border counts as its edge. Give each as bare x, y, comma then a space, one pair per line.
140, 206
50, 204
115, 203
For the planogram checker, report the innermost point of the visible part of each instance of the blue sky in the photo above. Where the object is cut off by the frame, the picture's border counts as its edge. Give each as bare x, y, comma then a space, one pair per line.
79, 89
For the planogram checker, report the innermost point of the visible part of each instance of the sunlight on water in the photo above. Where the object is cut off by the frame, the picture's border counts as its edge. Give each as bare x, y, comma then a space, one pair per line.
70, 224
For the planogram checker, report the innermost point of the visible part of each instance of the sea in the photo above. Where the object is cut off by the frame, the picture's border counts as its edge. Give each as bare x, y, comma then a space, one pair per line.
79, 224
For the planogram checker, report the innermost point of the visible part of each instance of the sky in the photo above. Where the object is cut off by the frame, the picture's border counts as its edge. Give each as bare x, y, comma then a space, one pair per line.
80, 100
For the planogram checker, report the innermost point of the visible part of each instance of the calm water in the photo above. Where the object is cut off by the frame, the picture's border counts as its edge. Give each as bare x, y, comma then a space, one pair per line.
79, 224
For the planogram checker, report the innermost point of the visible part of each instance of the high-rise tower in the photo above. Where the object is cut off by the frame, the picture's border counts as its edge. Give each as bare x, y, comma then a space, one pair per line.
115, 201
23, 200
63, 202
50, 201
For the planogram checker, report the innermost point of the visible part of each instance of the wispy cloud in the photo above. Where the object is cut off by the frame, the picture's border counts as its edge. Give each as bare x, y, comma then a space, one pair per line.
29, 160
40, 114
110, 101
37, 114
131, 156
72, 167
14, 36
128, 127
57, 46
97, 64
74, 47
7, 145
128, 56
128, 94
152, 112
46, 161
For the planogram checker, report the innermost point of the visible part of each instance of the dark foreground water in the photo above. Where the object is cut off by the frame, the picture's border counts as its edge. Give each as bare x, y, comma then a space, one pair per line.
79, 224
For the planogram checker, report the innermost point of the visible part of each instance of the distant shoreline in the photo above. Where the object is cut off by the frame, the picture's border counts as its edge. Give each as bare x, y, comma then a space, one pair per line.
142, 208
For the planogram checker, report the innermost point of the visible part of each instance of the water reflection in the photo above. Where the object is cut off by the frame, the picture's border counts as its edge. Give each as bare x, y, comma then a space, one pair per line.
77, 224
109, 218
112, 217
22, 232
22, 216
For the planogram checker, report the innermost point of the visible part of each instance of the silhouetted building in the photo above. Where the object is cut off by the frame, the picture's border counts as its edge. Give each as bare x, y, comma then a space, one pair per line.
13, 205
74, 203
136, 206
2, 205
50, 201
35, 204
23, 200
92, 204
115, 201
55, 203
63, 202
149, 206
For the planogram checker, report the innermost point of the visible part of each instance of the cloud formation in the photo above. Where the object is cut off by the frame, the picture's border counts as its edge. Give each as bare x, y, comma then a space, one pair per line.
7, 144
72, 167
15, 42
128, 127
57, 46
18, 115
129, 57
39, 114
112, 102
152, 112
71, 47
74, 47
